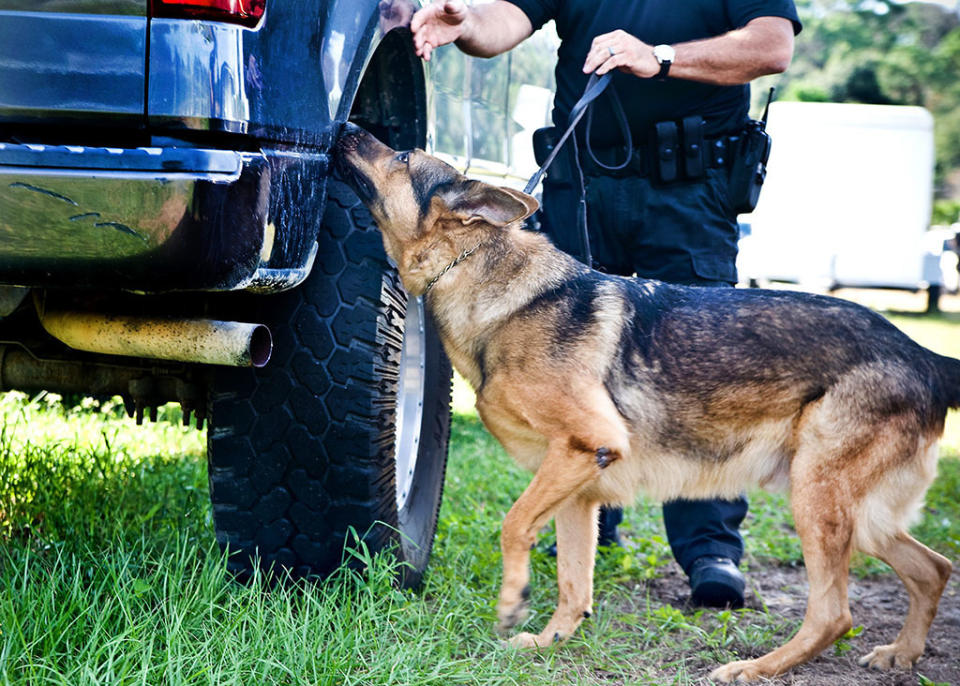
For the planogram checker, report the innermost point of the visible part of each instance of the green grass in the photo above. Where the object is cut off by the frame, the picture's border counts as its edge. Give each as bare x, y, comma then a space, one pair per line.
109, 574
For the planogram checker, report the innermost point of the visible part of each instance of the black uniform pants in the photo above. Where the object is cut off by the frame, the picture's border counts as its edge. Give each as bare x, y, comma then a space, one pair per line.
682, 233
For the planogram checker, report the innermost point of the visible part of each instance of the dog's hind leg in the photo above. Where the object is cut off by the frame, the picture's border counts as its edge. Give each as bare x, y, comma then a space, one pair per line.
824, 521
576, 525
925, 574
887, 512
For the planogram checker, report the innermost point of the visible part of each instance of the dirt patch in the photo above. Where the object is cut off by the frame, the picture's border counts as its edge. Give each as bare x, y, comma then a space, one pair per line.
878, 604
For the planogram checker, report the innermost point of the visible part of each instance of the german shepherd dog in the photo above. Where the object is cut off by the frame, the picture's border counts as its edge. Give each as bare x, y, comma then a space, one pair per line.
606, 386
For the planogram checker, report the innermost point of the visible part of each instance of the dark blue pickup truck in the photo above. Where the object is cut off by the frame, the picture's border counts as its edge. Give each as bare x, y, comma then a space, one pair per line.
169, 232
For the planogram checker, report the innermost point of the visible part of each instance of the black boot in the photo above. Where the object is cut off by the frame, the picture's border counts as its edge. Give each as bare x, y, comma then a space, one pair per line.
716, 582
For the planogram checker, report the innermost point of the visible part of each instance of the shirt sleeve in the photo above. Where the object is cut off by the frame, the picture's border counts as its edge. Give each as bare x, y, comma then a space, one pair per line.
743, 11
539, 12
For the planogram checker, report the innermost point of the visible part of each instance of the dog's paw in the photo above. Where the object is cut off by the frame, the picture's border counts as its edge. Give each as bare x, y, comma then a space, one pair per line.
525, 640
888, 657
512, 617
512, 614
742, 671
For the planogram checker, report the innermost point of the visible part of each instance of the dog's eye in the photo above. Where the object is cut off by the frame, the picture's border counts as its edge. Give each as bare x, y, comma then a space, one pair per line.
403, 157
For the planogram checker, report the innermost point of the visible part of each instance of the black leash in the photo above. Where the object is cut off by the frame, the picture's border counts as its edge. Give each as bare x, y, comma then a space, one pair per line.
595, 86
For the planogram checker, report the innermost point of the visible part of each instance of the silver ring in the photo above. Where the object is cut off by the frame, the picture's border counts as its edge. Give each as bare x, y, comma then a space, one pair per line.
610, 50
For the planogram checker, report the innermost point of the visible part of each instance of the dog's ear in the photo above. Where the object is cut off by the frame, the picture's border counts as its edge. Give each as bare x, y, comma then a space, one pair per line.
496, 205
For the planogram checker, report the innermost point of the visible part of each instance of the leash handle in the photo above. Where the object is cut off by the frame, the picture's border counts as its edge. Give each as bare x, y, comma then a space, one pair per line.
595, 86
624, 128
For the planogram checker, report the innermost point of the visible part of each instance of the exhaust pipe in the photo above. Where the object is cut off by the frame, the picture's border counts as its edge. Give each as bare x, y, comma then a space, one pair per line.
205, 341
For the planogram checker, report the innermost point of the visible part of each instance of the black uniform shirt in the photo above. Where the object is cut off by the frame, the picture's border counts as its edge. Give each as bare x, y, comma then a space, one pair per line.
653, 21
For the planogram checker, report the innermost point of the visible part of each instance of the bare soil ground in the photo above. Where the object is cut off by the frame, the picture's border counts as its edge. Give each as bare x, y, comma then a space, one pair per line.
879, 604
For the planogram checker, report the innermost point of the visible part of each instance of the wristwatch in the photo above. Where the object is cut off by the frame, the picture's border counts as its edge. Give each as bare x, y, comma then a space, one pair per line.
664, 55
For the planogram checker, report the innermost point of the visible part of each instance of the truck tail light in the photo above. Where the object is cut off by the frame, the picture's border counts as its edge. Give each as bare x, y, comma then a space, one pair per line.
245, 12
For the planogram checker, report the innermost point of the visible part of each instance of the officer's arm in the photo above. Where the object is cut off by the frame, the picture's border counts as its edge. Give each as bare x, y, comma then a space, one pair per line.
763, 46
482, 30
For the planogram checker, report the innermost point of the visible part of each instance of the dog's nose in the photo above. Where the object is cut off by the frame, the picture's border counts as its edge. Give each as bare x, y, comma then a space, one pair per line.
347, 142
349, 128
349, 136
355, 144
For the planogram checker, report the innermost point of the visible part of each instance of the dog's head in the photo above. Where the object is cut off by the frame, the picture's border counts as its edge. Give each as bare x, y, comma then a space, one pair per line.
427, 211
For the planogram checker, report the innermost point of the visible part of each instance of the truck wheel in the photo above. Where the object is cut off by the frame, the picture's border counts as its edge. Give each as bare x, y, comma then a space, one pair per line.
302, 451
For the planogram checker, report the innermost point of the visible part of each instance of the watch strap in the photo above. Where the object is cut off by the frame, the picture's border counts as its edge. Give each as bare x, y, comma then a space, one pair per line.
664, 68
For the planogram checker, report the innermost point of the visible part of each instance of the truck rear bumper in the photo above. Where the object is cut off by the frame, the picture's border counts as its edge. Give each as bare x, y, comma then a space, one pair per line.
157, 219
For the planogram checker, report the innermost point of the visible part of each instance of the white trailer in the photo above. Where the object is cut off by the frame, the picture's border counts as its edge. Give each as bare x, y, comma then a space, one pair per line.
847, 199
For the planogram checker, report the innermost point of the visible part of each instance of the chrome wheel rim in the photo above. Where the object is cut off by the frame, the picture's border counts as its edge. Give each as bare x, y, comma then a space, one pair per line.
410, 390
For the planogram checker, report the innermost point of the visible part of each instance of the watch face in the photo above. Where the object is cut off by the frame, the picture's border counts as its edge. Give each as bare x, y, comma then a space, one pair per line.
664, 53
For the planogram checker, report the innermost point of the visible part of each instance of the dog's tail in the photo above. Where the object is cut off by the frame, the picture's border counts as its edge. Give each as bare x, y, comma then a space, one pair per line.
950, 368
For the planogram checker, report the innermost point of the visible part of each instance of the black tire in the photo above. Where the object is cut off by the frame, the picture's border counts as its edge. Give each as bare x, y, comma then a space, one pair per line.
302, 450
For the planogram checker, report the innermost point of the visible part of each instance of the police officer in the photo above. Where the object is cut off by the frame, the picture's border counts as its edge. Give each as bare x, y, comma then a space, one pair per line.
681, 71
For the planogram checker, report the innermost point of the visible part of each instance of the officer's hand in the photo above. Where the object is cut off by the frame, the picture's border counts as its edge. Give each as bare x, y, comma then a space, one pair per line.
437, 24
619, 50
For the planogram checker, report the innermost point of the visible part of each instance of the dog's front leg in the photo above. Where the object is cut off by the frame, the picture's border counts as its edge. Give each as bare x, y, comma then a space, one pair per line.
562, 473
576, 553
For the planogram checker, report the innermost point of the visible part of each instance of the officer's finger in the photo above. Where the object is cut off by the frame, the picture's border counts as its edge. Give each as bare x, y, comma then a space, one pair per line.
421, 17
612, 62
453, 7
603, 38
431, 14
599, 54
594, 57
605, 41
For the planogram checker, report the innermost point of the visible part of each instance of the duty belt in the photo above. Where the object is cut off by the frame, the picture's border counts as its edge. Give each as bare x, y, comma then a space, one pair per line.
668, 158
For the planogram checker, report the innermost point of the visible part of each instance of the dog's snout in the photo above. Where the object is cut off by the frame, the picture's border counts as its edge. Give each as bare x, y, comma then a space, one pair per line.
347, 142
349, 138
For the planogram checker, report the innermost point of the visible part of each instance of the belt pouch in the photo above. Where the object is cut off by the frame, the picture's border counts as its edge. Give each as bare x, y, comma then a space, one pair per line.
544, 141
692, 129
665, 145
